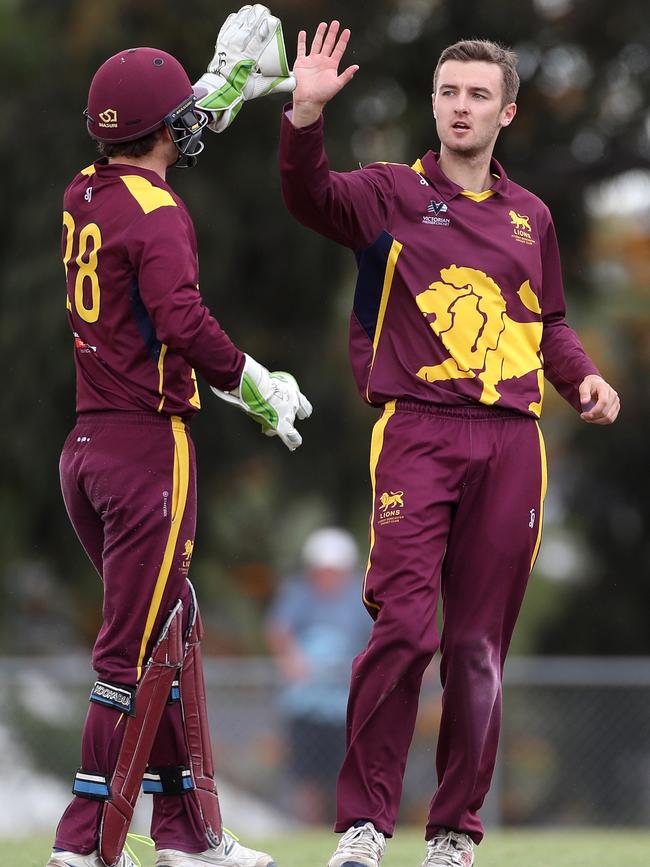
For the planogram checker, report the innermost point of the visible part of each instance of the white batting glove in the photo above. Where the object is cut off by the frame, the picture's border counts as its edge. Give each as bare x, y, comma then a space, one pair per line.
271, 398
249, 60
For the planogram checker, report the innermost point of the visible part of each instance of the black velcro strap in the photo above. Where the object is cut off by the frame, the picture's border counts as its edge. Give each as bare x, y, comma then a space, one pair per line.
115, 695
170, 780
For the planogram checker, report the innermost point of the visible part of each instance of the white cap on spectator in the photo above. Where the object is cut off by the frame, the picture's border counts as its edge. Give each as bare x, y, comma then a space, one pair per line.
330, 548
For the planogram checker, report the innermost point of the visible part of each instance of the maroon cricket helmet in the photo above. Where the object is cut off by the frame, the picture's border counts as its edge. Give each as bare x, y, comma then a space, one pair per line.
139, 90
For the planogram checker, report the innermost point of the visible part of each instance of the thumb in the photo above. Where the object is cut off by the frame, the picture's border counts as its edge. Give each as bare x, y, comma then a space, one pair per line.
585, 391
347, 75
304, 407
291, 438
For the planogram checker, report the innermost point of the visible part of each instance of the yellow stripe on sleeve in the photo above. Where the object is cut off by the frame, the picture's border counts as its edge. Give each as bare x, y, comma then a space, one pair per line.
542, 458
179, 499
149, 198
535, 406
376, 445
389, 273
161, 374
195, 400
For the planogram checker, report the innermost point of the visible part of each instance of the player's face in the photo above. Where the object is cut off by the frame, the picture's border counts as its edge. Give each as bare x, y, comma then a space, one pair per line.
468, 106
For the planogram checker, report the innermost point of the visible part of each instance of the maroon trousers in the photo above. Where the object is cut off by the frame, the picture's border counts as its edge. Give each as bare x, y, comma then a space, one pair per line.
458, 496
129, 485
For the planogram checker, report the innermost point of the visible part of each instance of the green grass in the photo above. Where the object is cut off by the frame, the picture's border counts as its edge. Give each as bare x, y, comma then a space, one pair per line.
552, 848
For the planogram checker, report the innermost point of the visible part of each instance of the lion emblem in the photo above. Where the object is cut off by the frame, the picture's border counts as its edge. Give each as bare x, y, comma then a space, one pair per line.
394, 499
519, 220
467, 311
189, 548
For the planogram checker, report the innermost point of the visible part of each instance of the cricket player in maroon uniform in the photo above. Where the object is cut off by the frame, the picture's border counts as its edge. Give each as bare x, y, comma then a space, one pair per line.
458, 316
128, 470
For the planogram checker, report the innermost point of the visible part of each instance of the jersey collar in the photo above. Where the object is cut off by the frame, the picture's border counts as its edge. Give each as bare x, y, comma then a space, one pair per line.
107, 170
428, 165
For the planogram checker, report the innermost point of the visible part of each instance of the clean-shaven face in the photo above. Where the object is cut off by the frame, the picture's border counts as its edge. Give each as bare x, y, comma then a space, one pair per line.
468, 106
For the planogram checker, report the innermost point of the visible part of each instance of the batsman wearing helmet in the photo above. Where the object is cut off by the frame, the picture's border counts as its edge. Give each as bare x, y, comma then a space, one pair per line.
141, 333
458, 317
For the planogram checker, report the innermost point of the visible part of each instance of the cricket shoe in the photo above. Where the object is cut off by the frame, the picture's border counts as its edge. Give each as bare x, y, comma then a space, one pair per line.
360, 846
62, 858
229, 853
449, 849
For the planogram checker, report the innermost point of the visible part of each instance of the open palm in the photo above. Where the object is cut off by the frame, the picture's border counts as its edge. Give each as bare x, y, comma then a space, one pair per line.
316, 73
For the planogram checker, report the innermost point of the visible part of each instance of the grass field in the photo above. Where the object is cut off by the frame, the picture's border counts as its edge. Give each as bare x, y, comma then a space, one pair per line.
565, 848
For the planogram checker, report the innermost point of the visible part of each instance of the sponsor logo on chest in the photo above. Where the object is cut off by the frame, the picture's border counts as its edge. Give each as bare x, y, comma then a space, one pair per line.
435, 214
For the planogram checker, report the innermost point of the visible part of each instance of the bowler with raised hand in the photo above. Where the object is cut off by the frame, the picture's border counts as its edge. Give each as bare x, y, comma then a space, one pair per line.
458, 317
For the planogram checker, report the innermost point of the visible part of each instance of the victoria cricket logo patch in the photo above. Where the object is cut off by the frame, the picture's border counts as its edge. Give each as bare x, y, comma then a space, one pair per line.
437, 207
434, 217
391, 505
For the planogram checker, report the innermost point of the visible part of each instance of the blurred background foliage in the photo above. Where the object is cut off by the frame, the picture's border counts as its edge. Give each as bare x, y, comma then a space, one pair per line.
581, 141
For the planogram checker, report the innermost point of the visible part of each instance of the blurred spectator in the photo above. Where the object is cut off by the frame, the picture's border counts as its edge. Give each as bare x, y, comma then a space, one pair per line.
317, 624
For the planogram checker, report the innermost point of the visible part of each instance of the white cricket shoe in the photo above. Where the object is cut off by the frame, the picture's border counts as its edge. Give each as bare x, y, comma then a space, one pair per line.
229, 853
449, 849
73, 859
360, 845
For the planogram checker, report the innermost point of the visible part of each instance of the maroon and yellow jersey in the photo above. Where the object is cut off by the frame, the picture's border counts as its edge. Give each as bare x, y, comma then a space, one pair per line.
140, 327
459, 296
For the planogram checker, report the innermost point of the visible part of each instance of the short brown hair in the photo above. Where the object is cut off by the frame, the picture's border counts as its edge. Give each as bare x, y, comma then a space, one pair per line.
491, 52
140, 147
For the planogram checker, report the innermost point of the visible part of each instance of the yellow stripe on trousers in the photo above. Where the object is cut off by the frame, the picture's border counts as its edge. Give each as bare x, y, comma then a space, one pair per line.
376, 445
179, 499
542, 458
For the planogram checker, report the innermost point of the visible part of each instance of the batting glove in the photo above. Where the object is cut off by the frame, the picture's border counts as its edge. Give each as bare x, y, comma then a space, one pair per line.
249, 60
271, 398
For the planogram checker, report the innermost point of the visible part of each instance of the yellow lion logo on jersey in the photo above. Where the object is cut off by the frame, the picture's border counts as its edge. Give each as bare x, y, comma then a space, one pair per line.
519, 220
470, 318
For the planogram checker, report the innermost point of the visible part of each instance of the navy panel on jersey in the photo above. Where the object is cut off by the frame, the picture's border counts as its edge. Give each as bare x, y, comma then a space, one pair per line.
144, 323
370, 282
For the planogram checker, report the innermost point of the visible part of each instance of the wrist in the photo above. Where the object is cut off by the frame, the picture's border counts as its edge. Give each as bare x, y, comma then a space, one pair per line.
306, 113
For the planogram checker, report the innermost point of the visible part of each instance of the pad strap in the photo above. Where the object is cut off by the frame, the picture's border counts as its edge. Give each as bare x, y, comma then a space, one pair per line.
91, 785
173, 780
175, 692
115, 695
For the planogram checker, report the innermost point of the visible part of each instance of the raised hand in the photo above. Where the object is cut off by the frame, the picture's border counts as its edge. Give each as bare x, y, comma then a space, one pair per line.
317, 72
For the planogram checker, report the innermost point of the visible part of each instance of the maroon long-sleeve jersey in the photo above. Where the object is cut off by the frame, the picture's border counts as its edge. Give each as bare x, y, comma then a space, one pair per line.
459, 296
140, 326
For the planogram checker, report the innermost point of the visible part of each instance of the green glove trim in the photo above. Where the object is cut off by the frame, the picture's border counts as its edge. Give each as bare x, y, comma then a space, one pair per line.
223, 98
274, 84
282, 52
259, 407
235, 111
